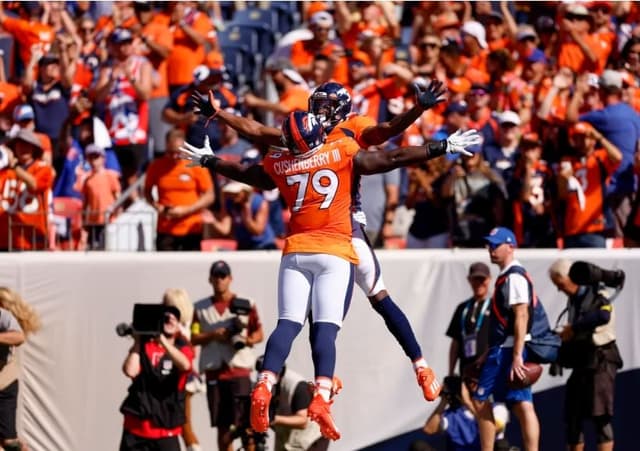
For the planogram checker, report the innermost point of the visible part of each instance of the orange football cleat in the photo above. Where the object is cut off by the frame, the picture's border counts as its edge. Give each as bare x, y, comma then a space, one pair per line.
260, 399
320, 411
430, 386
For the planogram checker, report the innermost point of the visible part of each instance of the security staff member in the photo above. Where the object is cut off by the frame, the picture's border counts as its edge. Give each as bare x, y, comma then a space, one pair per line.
469, 326
589, 347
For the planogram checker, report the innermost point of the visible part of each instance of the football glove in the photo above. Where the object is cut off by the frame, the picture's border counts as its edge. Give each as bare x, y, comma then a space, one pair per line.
460, 141
195, 154
430, 96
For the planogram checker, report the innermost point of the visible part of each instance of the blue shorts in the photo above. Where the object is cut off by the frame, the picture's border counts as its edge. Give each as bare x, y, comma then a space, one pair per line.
495, 376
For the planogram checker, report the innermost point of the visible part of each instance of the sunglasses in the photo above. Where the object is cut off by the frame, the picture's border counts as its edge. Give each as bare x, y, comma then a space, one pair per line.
87, 30
168, 317
428, 45
478, 92
573, 17
602, 9
219, 276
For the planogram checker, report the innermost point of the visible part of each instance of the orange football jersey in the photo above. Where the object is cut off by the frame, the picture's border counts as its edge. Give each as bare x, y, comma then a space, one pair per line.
317, 190
25, 211
352, 127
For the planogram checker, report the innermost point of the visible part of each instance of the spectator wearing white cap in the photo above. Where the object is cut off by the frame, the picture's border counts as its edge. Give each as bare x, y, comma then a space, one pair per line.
502, 154
620, 124
244, 216
474, 44
99, 189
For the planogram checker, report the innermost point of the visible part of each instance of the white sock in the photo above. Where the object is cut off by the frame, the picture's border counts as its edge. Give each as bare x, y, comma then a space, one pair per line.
420, 363
324, 386
268, 377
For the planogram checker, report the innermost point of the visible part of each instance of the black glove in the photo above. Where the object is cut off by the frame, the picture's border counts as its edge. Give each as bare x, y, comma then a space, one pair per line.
202, 105
430, 96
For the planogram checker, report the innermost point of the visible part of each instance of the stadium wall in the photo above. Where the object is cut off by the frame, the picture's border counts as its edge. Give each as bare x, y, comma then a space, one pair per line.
72, 384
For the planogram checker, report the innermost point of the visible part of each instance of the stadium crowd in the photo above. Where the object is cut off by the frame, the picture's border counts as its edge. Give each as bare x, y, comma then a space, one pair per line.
94, 95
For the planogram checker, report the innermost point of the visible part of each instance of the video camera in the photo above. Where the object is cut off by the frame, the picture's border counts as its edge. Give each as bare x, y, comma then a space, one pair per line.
585, 273
148, 320
238, 329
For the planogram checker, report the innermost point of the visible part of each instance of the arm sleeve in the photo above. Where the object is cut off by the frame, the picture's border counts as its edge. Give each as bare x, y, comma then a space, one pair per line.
518, 290
8, 321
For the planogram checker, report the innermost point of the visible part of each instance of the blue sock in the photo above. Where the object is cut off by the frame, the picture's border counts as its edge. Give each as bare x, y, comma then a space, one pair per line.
323, 348
399, 326
279, 345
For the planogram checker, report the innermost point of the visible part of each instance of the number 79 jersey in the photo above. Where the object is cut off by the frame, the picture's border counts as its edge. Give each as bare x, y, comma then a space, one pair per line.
317, 190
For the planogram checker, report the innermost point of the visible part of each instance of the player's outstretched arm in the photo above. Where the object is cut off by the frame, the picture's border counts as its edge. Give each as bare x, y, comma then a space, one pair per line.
254, 131
366, 162
253, 175
425, 98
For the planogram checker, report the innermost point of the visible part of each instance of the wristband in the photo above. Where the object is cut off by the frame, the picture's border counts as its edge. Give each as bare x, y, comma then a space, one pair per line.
209, 161
436, 149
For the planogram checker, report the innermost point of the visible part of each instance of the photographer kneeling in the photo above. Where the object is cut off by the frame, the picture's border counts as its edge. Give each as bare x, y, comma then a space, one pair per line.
588, 347
159, 365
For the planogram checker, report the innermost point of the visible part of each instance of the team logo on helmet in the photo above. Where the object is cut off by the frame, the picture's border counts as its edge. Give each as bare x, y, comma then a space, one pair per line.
331, 102
302, 132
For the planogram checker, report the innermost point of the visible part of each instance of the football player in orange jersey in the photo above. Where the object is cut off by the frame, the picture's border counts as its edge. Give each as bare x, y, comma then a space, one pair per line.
318, 257
332, 102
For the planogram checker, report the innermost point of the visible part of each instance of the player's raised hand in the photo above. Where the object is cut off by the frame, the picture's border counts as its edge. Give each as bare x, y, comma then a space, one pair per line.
205, 105
429, 96
460, 141
195, 154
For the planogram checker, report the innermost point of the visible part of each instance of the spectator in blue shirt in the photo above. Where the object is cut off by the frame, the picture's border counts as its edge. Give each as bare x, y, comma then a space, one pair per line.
620, 124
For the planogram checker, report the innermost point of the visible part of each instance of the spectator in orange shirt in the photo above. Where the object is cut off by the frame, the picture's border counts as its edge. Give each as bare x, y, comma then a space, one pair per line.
291, 87
474, 45
500, 27
191, 29
25, 184
303, 52
182, 193
28, 31
578, 49
603, 28
582, 183
478, 101
10, 94
156, 44
100, 189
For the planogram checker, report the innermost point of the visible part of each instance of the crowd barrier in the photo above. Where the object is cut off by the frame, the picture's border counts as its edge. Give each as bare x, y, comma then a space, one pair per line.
72, 384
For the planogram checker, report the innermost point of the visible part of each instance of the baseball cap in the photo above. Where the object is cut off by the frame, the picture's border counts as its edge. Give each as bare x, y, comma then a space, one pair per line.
475, 29
531, 138
526, 31
27, 136
220, 268
537, 56
120, 35
48, 58
322, 18
479, 269
576, 9
580, 128
611, 79
456, 107
93, 149
236, 187
23, 112
501, 235
509, 117
459, 85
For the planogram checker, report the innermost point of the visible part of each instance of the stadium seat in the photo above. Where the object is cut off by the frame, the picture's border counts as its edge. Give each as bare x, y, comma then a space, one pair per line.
288, 15
213, 245
67, 215
257, 17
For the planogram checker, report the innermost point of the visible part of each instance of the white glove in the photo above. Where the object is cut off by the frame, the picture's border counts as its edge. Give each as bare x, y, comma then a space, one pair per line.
460, 141
194, 154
